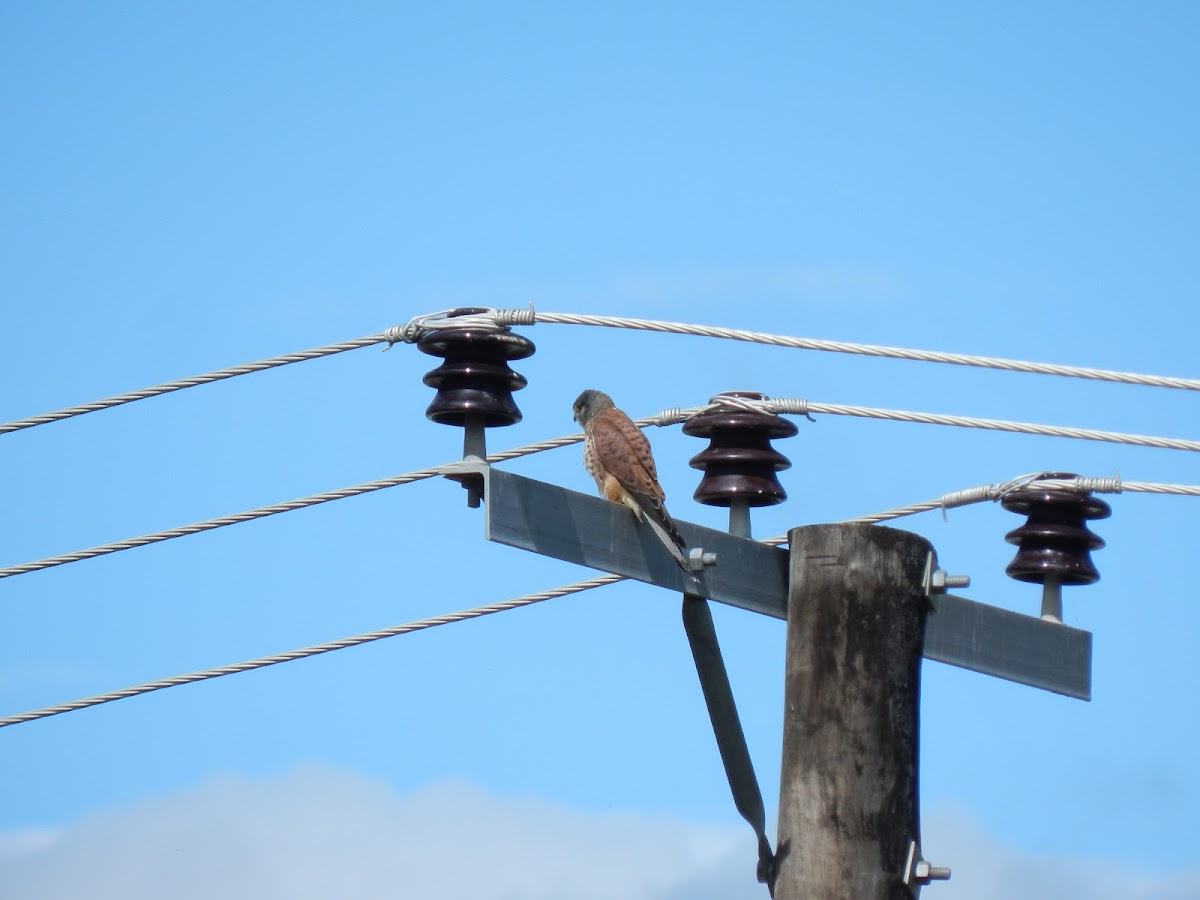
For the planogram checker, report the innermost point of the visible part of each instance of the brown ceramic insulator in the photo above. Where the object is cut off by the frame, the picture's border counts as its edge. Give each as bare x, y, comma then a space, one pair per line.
1055, 542
475, 381
740, 462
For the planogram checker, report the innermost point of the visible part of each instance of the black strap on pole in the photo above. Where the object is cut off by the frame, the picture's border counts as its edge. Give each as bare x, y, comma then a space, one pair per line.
727, 727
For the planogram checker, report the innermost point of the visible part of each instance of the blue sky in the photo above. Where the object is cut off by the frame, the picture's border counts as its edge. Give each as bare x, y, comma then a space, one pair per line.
190, 187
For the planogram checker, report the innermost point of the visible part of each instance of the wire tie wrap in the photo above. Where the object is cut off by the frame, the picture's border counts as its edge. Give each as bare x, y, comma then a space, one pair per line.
491, 320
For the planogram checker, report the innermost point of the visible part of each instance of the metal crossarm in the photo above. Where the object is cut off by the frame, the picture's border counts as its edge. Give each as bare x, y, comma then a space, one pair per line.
579, 528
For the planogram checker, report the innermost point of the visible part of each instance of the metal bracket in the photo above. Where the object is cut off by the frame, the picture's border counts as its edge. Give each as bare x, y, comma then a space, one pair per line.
597, 533
472, 476
918, 872
727, 728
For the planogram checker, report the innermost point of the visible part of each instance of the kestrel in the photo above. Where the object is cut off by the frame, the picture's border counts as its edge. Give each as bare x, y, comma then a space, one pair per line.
617, 455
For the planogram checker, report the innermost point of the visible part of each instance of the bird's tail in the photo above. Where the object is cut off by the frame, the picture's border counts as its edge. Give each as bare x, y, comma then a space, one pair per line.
660, 521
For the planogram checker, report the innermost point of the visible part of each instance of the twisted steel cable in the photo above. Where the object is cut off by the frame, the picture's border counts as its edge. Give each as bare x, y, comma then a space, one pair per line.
1085, 434
670, 416
955, 498
219, 522
193, 381
958, 359
314, 650
501, 318
801, 407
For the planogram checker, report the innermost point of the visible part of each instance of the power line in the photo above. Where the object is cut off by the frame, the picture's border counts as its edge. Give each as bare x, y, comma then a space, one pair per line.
314, 650
958, 359
1141, 487
495, 319
670, 416
993, 492
804, 407
220, 522
503, 317
180, 384
260, 512
982, 493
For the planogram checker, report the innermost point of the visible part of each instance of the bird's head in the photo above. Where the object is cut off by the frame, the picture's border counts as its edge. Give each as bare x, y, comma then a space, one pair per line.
590, 404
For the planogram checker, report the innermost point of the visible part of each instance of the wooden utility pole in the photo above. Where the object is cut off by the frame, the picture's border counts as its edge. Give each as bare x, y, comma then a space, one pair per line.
848, 790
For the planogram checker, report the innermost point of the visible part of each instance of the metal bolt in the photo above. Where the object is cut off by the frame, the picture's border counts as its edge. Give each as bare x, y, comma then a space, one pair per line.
698, 558
926, 872
474, 450
937, 581
918, 872
941, 581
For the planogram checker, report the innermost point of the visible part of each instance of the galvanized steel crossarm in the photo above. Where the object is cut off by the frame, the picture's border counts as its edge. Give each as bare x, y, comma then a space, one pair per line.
956, 498
590, 531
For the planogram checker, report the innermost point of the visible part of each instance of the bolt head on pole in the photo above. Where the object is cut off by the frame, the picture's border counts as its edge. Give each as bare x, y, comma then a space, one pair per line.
918, 872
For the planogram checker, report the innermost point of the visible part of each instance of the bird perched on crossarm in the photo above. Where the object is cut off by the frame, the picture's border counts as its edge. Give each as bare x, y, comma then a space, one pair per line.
617, 455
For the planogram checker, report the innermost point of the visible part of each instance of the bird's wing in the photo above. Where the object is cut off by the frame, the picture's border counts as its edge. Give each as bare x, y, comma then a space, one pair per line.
623, 451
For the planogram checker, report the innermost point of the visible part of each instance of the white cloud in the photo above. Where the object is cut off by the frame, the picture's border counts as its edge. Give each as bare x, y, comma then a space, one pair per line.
987, 869
320, 833
23, 842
